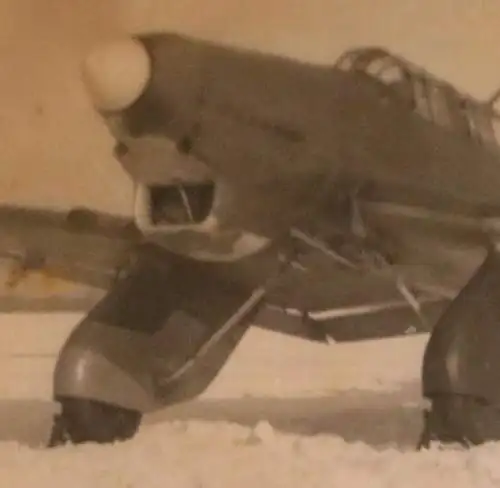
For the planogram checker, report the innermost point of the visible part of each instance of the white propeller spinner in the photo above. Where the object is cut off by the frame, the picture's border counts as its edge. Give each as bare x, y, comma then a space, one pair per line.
116, 73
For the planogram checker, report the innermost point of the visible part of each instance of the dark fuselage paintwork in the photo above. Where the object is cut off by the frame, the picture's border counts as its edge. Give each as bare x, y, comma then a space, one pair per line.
290, 139
258, 119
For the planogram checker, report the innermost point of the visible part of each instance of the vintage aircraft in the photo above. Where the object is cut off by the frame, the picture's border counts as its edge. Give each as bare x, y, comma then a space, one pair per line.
358, 200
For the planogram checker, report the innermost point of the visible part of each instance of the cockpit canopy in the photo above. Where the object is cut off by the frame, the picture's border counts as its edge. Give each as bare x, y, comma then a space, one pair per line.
432, 98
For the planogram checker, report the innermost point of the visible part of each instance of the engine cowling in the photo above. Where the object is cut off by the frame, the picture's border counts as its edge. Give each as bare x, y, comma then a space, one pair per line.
220, 171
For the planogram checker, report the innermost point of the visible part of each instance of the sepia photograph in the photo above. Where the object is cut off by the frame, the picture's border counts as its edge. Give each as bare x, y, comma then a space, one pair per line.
249, 243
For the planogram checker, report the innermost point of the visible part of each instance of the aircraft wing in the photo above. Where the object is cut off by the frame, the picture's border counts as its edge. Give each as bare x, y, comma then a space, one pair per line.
63, 261
59, 260
322, 299
38, 291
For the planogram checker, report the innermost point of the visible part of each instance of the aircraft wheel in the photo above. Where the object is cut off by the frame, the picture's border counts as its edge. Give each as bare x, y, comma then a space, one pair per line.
82, 420
460, 419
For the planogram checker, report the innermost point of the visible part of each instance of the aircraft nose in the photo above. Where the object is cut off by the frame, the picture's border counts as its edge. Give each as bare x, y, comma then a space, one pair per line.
116, 73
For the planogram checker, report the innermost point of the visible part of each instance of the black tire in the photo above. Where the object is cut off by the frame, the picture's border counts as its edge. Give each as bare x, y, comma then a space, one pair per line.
460, 419
81, 421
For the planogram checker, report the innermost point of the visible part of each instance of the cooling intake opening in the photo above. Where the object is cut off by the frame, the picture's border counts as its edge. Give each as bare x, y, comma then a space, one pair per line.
180, 204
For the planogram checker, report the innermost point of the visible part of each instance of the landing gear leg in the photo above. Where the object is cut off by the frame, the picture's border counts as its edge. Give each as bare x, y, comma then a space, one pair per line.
461, 367
160, 336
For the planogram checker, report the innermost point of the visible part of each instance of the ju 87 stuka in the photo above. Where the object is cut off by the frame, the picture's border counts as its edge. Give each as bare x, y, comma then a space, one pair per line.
343, 202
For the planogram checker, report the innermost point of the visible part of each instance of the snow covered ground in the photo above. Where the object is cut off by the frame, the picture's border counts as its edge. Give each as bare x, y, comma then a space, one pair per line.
282, 413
